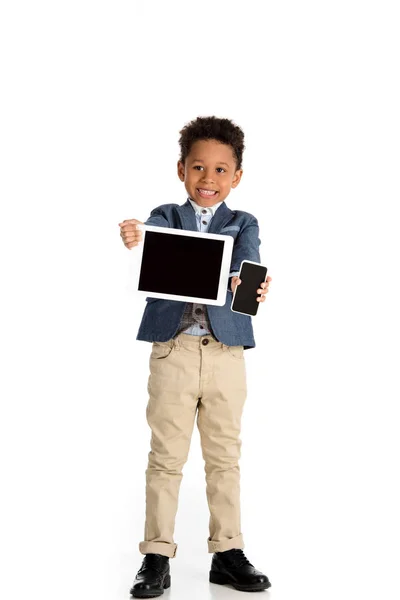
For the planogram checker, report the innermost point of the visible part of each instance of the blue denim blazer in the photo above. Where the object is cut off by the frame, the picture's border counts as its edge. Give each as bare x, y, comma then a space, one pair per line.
161, 318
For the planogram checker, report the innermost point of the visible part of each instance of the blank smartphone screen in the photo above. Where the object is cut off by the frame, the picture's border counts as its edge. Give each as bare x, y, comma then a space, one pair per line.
245, 300
181, 265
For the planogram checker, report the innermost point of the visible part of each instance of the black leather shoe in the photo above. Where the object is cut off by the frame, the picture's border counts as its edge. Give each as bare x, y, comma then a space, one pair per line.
232, 567
152, 578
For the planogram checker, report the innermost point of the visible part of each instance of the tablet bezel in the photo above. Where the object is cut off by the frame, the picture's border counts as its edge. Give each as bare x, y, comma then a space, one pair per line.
136, 262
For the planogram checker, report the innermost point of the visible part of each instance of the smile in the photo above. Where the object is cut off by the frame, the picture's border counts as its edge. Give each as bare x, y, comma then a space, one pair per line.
206, 193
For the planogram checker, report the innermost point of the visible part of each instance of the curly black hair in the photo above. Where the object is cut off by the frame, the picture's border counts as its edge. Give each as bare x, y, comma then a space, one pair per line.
212, 128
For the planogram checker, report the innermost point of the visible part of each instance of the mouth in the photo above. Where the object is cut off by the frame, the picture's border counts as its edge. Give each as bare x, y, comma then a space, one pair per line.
204, 193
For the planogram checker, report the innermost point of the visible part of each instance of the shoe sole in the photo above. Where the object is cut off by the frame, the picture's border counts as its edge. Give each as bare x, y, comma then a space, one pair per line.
221, 579
152, 593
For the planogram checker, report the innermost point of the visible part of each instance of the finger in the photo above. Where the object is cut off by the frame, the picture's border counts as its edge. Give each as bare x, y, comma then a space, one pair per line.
131, 235
129, 227
131, 240
125, 224
127, 221
130, 231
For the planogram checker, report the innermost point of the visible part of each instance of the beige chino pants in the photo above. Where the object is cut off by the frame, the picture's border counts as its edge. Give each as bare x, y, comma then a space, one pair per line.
188, 375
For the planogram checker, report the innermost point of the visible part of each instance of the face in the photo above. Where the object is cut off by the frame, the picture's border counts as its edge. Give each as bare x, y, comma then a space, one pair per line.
209, 172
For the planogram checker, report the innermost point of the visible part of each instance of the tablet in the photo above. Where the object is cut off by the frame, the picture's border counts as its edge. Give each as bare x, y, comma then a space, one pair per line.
183, 265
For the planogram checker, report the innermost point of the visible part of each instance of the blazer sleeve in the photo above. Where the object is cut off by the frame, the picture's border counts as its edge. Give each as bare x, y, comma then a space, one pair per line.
157, 218
246, 246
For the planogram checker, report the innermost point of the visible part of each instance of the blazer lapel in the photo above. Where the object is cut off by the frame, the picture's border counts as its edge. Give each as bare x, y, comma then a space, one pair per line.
188, 218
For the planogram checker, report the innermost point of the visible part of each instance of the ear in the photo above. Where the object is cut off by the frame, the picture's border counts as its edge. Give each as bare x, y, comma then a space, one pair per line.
237, 177
181, 170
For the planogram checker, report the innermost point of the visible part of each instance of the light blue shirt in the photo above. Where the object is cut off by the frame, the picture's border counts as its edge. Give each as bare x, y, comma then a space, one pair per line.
203, 217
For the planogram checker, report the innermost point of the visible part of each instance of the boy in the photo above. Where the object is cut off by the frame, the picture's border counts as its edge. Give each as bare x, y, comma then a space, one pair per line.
197, 367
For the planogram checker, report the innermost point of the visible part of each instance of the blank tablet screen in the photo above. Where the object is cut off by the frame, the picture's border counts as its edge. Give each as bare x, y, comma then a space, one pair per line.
181, 265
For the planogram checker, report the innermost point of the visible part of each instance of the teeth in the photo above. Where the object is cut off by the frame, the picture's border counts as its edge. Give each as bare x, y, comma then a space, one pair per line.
208, 192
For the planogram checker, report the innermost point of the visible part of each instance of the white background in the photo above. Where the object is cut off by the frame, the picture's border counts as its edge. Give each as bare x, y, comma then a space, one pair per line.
93, 97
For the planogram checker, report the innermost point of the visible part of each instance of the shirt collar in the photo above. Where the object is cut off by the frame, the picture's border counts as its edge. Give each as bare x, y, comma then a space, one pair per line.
199, 209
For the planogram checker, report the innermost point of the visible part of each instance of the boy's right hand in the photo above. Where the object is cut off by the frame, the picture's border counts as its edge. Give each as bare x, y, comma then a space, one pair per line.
131, 236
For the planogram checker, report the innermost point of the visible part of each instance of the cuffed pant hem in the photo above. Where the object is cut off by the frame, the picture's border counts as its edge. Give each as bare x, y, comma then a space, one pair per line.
158, 548
229, 544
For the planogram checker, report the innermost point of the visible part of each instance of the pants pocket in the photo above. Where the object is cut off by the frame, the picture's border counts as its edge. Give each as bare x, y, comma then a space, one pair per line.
236, 352
162, 350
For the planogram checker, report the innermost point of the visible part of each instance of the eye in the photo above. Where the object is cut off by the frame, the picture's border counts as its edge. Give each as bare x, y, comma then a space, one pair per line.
221, 169
198, 167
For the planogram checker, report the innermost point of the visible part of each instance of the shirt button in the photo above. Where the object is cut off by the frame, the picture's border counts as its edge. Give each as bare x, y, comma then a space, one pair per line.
205, 342
198, 311
204, 211
204, 222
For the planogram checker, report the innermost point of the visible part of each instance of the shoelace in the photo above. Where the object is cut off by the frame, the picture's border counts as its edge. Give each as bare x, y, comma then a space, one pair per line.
237, 558
151, 561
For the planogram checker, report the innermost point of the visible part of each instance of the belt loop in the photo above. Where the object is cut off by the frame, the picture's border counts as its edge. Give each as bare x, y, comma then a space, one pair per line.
176, 343
224, 347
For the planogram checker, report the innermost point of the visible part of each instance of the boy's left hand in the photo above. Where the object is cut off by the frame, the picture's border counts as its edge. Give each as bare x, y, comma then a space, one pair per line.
263, 290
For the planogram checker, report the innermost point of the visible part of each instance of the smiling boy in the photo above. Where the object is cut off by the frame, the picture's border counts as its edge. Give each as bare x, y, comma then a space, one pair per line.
209, 172
197, 368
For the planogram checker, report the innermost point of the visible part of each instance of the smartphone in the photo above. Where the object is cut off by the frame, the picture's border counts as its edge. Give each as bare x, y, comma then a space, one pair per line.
245, 296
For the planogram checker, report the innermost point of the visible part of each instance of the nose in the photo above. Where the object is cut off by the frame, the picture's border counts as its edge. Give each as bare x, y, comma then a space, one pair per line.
207, 176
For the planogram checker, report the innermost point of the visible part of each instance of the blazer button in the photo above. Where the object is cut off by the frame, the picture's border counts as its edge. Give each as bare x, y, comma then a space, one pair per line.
205, 342
198, 311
